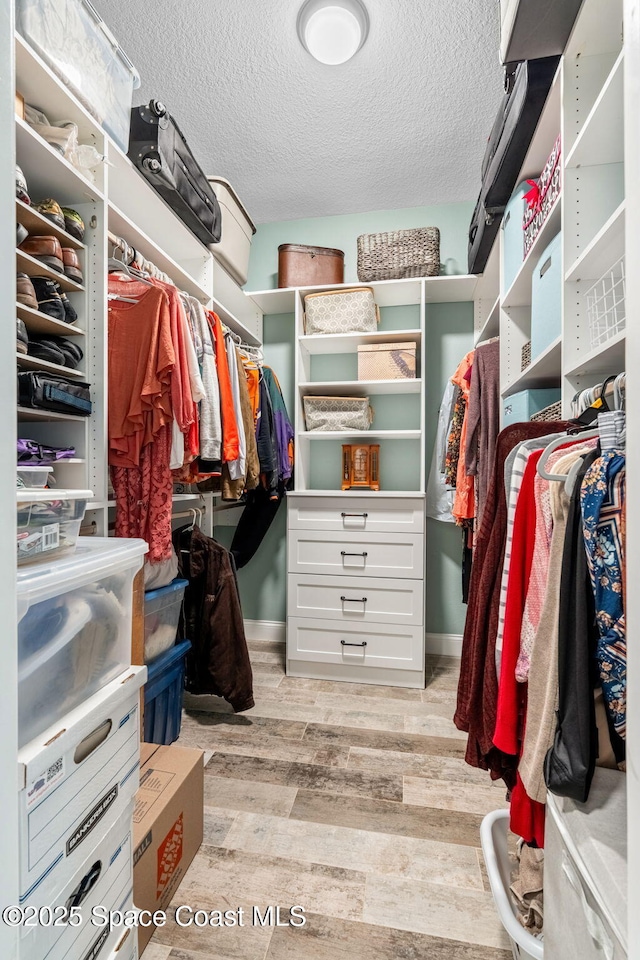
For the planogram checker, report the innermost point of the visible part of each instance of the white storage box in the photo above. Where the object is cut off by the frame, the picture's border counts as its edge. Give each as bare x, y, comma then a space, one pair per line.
104, 880
238, 229
37, 477
76, 778
74, 628
49, 522
84, 54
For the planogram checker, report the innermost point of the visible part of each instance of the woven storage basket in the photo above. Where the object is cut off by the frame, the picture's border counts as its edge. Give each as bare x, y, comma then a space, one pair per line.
337, 413
552, 412
398, 254
526, 355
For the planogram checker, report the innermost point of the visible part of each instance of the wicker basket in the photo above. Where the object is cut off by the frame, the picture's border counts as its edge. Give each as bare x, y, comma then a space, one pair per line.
399, 254
552, 412
526, 355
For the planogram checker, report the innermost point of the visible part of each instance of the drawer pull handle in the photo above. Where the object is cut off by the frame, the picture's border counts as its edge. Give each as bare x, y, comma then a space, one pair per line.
363, 515
344, 553
345, 644
353, 599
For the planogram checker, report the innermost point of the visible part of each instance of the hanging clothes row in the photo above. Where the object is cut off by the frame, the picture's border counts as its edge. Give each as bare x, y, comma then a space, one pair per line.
542, 689
186, 403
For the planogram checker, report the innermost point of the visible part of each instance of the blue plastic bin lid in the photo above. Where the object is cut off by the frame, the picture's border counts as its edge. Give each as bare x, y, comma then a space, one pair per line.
166, 661
172, 587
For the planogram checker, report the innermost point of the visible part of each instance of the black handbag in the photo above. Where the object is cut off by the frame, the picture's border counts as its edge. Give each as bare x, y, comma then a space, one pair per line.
160, 152
46, 392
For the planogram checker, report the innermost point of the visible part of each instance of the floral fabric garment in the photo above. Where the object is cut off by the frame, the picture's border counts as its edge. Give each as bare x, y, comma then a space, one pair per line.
603, 504
453, 440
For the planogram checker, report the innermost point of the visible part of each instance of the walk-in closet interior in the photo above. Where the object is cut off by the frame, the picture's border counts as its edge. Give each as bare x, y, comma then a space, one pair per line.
315, 635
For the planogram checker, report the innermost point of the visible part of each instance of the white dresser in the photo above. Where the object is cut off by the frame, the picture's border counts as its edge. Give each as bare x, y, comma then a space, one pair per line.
355, 599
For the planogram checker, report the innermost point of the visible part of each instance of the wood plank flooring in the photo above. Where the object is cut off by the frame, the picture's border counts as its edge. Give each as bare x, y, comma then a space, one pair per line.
351, 800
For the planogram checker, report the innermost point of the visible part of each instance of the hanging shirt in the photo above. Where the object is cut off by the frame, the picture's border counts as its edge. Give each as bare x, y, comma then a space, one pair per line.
210, 416
237, 467
464, 501
230, 435
439, 500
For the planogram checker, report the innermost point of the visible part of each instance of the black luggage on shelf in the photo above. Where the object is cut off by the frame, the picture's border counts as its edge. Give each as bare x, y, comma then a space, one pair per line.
528, 86
47, 391
160, 152
536, 28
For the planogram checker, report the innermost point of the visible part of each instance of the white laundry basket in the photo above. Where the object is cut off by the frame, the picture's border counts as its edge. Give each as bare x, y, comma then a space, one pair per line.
493, 837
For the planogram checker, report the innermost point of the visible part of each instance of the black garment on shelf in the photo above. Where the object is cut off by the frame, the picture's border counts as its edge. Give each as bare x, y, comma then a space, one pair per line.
257, 516
218, 662
570, 763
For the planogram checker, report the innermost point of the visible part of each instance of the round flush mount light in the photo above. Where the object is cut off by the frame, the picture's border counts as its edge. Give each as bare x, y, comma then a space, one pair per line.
333, 30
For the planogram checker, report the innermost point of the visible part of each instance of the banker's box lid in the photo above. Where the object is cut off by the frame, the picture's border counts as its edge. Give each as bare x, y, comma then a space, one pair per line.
405, 345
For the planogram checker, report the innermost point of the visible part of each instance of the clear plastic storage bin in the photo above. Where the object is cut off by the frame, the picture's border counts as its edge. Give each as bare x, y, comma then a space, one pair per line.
49, 522
161, 616
34, 476
74, 631
73, 39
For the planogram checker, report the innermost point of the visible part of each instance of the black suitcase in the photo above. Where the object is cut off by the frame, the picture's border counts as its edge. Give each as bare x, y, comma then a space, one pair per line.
537, 28
482, 234
160, 152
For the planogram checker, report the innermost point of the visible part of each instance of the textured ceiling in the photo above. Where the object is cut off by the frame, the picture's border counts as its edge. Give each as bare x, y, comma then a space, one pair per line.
402, 124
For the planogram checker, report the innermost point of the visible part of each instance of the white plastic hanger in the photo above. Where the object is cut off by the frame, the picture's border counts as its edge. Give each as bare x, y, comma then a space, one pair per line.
559, 442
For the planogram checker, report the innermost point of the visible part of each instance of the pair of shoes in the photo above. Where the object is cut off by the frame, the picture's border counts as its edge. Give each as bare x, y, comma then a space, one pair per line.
22, 192
43, 294
56, 350
64, 217
22, 337
50, 252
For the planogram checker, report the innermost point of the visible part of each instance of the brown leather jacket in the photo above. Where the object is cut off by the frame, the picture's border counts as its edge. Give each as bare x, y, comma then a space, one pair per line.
218, 662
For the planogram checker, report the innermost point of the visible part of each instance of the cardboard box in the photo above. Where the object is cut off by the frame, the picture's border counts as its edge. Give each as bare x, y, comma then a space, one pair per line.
167, 825
19, 106
76, 780
387, 361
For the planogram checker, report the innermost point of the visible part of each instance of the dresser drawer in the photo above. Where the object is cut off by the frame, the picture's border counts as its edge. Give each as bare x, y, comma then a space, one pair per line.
358, 644
357, 554
368, 600
399, 515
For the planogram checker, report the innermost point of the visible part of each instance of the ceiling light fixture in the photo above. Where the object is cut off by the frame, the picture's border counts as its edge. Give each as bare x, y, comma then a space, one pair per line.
333, 30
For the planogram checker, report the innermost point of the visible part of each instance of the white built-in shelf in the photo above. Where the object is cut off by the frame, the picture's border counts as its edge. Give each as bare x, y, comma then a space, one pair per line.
598, 30
488, 286
544, 371
545, 134
360, 434
519, 293
605, 249
177, 498
360, 388
607, 358
601, 139
234, 324
39, 226
123, 226
491, 326
32, 363
37, 322
321, 343
128, 190
357, 492
47, 172
275, 301
460, 289
25, 263
28, 413
40, 86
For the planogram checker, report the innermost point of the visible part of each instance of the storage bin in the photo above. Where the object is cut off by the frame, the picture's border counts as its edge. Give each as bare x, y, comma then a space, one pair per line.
386, 361
163, 695
74, 628
37, 477
542, 197
161, 616
520, 407
546, 298
341, 311
512, 239
238, 229
493, 839
337, 413
300, 265
83, 53
48, 523
397, 254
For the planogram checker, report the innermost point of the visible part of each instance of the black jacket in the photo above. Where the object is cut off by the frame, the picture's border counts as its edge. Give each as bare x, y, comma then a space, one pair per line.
218, 661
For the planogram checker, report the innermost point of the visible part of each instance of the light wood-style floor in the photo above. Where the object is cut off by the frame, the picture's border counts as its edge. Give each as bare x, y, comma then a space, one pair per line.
351, 800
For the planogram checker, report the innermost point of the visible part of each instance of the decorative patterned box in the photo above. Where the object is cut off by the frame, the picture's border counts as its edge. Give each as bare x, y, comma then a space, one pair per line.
386, 361
337, 413
341, 311
542, 196
526, 355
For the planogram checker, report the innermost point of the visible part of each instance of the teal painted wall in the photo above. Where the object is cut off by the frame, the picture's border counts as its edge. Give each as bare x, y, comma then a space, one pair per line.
449, 337
452, 219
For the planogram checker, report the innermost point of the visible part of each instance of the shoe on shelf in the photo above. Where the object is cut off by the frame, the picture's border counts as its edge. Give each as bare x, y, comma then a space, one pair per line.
70, 315
71, 263
22, 337
52, 210
46, 348
22, 193
21, 234
49, 299
25, 292
45, 249
73, 223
